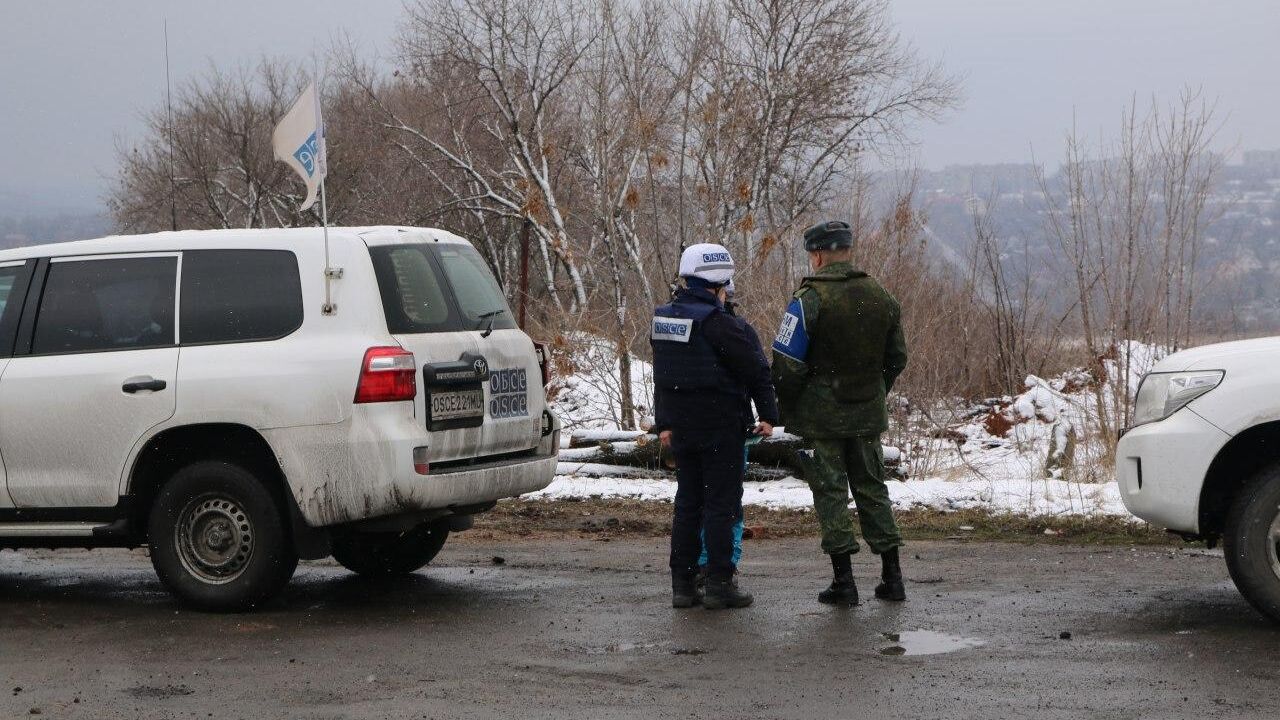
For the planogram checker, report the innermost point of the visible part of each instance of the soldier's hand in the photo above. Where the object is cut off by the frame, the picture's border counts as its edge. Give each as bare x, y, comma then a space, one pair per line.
764, 429
665, 437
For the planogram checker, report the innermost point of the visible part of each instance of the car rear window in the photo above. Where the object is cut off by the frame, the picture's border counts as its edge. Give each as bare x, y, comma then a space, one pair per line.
479, 297
239, 296
438, 288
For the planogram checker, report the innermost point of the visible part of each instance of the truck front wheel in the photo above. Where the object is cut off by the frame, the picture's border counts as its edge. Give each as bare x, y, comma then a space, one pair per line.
386, 554
1251, 542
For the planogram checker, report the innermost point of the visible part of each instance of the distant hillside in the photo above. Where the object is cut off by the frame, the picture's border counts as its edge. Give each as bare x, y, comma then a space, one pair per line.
32, 218
17, 231
1241, 252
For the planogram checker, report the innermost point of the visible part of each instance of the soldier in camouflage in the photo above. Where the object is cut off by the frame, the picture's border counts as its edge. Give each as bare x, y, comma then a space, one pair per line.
836, 356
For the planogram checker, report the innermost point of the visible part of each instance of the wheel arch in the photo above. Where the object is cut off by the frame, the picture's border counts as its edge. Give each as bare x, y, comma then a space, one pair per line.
174, 448
1232, 468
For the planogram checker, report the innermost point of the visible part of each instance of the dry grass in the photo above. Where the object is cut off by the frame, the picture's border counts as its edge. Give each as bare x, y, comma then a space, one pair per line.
606, 519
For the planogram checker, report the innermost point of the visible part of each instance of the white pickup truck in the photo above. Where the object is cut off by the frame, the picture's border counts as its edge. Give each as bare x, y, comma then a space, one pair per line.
192, 392
1202, 457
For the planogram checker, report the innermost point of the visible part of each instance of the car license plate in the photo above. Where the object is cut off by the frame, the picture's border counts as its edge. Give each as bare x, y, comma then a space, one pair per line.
456, 404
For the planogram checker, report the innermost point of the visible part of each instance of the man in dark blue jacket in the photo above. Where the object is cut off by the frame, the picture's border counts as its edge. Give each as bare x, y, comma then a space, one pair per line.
707, 371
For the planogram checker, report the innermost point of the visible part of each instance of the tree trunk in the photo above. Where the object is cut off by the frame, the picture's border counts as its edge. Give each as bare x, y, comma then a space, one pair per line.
624, 381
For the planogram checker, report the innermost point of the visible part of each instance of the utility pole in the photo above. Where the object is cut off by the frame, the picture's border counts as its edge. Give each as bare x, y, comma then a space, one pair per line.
524, 271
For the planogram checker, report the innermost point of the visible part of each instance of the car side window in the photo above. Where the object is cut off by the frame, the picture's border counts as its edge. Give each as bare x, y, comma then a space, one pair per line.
13, 288
8, 276
108, 304
239, 296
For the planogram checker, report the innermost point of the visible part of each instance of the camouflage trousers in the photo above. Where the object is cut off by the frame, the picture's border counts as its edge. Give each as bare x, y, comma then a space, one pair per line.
841, 465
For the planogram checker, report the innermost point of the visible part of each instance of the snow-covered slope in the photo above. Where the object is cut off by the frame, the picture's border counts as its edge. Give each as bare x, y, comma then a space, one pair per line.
994, 455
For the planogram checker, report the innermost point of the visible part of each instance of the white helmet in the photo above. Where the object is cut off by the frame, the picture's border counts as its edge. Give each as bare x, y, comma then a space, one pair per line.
707, 261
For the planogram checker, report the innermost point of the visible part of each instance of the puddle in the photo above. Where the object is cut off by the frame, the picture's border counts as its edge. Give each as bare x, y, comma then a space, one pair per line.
927, 642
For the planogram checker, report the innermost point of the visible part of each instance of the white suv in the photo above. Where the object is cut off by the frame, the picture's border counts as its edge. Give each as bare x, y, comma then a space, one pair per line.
187, 391
1203, 457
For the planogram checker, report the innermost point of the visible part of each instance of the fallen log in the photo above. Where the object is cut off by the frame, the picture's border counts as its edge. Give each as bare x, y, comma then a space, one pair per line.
588, 438
637, 449
755, 473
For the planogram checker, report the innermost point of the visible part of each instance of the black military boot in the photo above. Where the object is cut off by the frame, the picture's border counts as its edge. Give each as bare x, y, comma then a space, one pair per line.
890, 587
843, 590
684, 590
723, 593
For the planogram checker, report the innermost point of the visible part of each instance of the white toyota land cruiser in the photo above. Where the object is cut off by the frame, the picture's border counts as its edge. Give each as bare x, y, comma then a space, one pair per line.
188, 391
1202, 457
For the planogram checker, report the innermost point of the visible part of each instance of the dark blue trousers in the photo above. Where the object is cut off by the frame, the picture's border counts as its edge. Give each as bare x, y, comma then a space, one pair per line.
709, 466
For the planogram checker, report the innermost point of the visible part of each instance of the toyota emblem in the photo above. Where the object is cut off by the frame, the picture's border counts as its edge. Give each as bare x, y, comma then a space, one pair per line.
481, 366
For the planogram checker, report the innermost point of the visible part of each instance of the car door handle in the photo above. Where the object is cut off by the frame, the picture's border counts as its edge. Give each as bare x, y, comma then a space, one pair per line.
138, 384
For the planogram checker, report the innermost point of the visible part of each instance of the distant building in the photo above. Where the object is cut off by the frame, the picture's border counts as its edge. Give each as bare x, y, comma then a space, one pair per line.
1265, 161
984, 180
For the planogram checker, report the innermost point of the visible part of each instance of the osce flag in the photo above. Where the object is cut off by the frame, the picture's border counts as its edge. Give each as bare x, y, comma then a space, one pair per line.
298, 142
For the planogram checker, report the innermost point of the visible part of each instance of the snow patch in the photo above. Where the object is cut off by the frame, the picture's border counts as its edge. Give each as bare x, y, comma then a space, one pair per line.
1004, 454
590, 397
1040, 497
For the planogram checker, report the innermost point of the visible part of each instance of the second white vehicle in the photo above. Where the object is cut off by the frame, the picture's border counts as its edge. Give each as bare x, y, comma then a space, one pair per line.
1202, 457
192, 392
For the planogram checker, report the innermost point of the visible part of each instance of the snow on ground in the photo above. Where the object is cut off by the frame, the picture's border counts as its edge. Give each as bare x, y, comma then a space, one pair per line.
992, 455
590, 397
1040, 497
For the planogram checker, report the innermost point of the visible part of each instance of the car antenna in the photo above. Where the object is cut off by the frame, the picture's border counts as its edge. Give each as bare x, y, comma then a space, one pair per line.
168, 100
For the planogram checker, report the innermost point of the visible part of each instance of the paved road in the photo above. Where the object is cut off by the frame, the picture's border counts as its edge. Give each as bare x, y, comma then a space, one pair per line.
580, 629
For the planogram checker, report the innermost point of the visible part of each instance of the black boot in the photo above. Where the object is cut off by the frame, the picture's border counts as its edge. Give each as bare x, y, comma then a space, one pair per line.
684, 590
843, 590
723, 593
890, 587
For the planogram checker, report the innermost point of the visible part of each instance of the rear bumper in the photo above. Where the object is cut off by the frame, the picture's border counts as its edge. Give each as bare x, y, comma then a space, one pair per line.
1161, 467
363, 469
485, 482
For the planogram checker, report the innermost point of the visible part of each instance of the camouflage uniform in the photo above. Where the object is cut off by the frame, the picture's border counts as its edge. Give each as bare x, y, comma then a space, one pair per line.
833, 395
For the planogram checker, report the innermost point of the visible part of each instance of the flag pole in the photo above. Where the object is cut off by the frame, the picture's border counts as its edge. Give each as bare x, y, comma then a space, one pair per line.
329, 272
298, 141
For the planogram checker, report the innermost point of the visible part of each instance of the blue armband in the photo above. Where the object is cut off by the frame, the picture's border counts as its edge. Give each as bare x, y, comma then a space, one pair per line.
793, 336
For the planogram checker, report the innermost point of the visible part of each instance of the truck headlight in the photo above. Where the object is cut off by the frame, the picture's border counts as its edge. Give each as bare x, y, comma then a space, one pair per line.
1162, 394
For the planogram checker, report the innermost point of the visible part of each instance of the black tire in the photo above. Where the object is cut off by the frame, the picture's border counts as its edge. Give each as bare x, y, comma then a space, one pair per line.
389, 554
1251, 542
218, 538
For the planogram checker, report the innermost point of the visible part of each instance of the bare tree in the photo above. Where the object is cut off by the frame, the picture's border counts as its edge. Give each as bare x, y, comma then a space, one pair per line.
1021, 332
500, 70
214, 166
620, 132
1128, 225
792, 92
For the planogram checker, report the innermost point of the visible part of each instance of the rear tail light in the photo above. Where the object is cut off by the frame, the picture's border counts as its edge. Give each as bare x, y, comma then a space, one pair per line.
420, 464
544, 362
389, 374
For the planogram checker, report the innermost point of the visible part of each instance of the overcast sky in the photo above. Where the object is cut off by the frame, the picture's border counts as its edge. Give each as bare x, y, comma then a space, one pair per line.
75, 74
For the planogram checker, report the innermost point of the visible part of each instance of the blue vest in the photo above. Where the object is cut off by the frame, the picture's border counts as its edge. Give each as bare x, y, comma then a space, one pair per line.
683, 358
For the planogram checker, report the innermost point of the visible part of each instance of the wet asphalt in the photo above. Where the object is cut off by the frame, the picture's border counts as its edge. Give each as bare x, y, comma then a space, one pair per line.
579, 628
